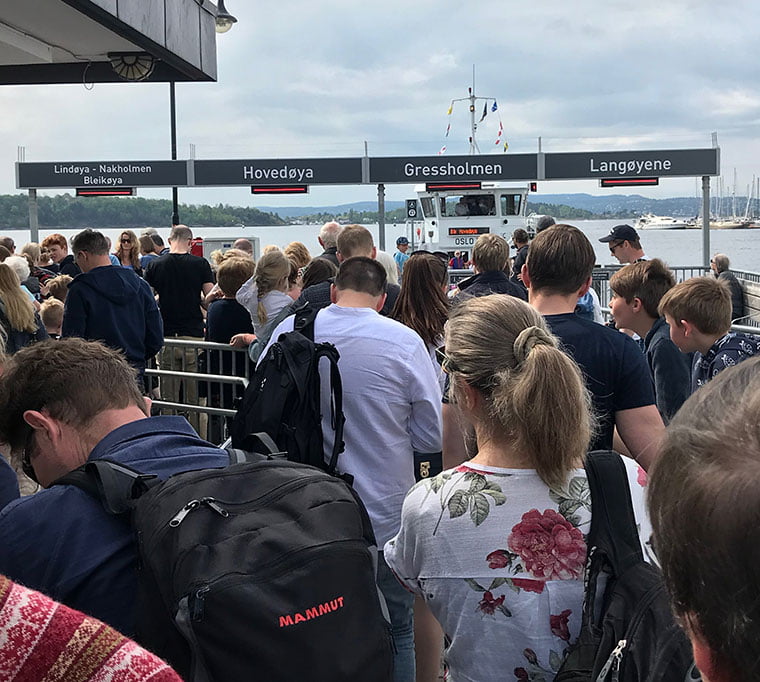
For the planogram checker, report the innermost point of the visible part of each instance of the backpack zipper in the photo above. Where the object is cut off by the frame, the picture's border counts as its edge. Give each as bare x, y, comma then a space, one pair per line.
613, 663
192, 505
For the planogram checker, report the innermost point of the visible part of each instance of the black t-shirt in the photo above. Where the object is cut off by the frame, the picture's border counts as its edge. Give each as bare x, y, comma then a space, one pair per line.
613, 365
178, 279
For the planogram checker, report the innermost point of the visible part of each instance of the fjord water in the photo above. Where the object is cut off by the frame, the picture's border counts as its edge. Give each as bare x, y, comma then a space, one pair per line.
676, 247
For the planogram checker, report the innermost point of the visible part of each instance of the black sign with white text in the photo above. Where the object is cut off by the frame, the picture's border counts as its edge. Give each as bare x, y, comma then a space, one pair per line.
101, 174
278, 172
631, 164
426, 169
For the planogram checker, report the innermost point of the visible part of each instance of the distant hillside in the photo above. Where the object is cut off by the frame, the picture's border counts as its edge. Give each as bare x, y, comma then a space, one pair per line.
621, 205
339, 209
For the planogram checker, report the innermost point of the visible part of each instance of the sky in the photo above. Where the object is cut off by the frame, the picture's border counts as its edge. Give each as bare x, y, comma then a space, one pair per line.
319, 79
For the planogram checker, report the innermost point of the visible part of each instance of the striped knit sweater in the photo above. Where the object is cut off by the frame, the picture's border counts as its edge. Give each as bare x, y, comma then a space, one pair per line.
43, 641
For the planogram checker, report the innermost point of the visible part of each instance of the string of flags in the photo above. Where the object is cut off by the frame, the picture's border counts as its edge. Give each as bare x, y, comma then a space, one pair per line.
494, 109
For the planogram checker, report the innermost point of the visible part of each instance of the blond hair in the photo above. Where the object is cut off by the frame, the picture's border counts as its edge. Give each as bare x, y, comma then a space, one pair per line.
51, 313
58, 287
298, 253
703, 301
491, 252
533, 393
272, 272
33, 250
18, 307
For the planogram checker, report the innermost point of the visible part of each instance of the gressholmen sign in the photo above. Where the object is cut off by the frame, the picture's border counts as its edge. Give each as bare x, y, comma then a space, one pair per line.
632, 164
101, 174
489, 167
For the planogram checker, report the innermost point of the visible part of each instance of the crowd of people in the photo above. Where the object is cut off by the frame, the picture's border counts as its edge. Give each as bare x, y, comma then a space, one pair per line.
504, 382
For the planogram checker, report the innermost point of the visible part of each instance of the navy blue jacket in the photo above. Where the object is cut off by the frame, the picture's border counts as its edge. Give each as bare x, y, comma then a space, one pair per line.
62, 542
113, 305
8, 483
671, 370
490, 282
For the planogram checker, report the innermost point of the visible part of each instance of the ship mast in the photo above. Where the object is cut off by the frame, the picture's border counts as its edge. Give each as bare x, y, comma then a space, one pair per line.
472, 99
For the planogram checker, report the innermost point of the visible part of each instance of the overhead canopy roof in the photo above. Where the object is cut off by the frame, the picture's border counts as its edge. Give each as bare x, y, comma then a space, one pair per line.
68, 41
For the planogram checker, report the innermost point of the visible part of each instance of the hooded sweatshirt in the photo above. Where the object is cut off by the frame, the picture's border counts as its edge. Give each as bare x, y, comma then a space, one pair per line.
114, 305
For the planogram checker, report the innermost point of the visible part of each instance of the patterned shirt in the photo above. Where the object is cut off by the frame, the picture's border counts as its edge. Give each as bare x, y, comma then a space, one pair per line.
499, 559
727, 351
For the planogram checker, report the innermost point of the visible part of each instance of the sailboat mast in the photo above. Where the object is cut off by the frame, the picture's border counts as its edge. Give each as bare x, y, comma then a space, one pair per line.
473, 142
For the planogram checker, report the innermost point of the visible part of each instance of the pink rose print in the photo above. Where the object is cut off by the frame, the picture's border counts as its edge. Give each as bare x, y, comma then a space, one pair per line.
529, 585
549, 545
498, 559
558, 624
521, 674
642, 479
488, 604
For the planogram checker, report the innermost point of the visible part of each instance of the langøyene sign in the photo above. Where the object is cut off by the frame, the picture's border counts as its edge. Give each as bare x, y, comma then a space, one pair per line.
631, 164
452, 168
101, 174
279, 172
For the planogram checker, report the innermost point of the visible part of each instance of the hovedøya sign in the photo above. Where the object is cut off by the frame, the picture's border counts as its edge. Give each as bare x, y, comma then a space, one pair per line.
279, 171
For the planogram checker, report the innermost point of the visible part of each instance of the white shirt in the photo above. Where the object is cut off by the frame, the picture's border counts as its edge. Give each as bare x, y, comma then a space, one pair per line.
391, 401
499, 559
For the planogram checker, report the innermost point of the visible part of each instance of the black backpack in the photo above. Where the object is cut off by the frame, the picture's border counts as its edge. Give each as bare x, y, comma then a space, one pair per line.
263, 570
635, 637
283, 398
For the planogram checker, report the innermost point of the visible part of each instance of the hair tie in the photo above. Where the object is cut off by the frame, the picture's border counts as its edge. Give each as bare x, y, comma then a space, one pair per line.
528, 339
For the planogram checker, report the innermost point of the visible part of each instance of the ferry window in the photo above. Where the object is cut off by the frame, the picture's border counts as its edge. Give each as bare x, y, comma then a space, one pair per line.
510, 204
477, 205
428, 207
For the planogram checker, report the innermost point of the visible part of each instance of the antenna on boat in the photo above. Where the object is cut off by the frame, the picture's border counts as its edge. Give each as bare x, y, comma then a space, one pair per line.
471, 99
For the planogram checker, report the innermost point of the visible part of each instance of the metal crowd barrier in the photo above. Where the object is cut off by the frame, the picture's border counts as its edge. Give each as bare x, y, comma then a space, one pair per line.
201, 380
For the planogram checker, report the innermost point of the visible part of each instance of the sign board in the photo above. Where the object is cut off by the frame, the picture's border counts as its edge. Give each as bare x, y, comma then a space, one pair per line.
632, 164
101, 174
467, 231
278, 171
411, 209
482, 167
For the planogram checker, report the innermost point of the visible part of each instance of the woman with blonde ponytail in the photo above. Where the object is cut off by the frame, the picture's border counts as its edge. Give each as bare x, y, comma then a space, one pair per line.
265, 294
497, 546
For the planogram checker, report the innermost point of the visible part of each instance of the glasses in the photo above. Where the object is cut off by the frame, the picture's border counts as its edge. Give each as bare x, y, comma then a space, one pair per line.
615, 246
126, 240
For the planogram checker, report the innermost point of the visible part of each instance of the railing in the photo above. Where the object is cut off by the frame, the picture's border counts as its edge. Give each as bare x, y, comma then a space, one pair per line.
601, 278
201, 380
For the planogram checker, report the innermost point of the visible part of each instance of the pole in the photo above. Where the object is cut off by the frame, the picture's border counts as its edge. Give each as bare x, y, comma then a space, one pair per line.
381, 215
173, 116
706, 221
34, 223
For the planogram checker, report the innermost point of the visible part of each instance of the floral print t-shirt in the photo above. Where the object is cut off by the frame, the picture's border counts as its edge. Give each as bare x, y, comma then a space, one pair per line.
499, 559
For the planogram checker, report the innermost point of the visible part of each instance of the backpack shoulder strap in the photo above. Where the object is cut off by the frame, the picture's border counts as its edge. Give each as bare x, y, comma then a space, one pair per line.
115, 485
337, 418
304, 322
613, 525
269, 450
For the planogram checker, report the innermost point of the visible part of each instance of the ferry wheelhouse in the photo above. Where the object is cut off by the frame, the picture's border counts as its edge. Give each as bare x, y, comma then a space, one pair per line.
455, 215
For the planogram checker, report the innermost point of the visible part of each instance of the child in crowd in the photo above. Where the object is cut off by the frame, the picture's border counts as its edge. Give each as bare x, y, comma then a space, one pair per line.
51, 313
698, 312
636, 293
58, 287
704, 505
265, 294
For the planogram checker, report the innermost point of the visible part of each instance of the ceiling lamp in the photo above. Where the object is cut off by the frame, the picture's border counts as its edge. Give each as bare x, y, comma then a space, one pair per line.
224, 20
132, 66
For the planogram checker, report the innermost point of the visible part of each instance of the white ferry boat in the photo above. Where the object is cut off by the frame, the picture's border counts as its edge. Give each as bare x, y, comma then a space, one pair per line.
454, 215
